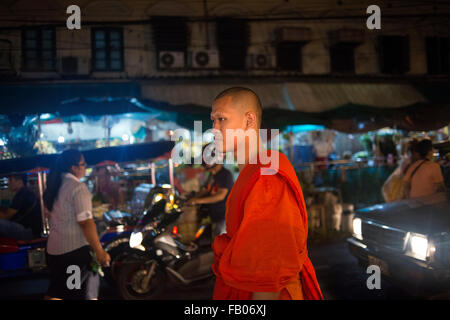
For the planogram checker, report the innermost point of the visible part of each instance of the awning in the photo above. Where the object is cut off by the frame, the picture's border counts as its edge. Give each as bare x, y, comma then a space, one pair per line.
344, 106
126, 153
91, 98
295, 96
347, 107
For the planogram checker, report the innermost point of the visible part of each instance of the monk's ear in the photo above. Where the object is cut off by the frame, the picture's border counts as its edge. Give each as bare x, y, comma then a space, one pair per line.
250, 119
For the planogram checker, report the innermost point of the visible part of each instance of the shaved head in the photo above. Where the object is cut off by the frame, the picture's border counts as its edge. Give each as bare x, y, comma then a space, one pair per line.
236, 121
244, 100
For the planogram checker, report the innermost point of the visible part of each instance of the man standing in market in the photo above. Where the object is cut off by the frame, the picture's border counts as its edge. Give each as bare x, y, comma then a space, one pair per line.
263, 255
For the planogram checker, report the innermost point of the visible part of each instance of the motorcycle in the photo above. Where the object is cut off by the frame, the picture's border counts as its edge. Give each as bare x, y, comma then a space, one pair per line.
155, 257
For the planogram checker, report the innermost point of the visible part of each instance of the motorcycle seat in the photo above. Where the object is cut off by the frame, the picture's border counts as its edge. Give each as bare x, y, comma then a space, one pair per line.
188, 248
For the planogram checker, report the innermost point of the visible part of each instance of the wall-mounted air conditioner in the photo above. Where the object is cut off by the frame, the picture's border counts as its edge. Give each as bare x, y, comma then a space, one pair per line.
171, 59
261, 61
204, 59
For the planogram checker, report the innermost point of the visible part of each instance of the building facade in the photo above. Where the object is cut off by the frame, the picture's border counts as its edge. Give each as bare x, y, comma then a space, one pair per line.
175, 49
152, 39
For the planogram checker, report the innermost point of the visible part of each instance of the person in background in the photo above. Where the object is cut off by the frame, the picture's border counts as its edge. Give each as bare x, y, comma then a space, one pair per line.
21, 221
411, 155
423, 177
108, 189
214, 194
73, 233
393, 187
323, 147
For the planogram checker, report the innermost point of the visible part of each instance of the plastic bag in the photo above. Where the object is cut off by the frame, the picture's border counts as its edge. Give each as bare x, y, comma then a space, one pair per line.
393, 187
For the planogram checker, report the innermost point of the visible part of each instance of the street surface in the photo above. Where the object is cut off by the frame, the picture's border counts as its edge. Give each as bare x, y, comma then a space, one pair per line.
337, 270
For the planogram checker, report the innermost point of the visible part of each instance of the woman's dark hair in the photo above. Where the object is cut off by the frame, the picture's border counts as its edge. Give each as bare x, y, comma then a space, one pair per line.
412, 144
424, 147
63, 164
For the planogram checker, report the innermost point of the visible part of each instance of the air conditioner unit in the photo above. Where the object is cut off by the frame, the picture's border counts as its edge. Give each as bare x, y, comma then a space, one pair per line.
261, 61
74, 66
204, 59
170, 59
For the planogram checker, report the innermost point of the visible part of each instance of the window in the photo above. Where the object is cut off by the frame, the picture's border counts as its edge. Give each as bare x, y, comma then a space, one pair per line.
289, 55
342, 58
5, 55
170, 33
438, 55
393, 54
232, 42
170, 37
107, 49
38, 49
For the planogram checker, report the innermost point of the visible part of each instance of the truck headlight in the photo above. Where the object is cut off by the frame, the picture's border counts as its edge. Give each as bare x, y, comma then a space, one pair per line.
418, 246
136, 239
357, 232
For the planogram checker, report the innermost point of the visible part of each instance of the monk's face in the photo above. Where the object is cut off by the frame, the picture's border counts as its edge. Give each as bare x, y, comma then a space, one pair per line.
225, 115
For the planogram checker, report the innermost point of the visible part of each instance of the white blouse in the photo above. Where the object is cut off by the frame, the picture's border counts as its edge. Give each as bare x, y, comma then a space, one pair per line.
73, 204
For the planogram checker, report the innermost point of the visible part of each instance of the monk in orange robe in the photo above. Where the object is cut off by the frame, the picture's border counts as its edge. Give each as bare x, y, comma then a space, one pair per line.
263, 254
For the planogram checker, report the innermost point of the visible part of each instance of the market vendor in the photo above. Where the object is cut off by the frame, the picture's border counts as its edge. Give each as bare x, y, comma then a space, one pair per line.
22, 220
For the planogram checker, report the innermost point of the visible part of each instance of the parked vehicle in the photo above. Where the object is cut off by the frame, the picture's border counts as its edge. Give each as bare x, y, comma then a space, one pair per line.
409, 240
155, 257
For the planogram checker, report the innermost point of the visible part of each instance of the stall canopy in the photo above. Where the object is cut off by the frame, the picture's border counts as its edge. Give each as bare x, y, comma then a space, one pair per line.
127, 153
343, 106
346, 107
69, 98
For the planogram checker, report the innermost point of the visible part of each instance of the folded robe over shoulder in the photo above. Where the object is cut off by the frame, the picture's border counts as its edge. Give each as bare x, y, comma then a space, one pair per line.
264, 249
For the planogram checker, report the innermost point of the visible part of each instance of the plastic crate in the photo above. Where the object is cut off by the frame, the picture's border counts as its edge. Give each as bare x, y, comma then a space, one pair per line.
13, 261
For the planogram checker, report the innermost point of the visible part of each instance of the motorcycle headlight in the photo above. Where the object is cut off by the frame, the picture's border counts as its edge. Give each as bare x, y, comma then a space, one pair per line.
357, 231
158, 197
418, 246
136, 239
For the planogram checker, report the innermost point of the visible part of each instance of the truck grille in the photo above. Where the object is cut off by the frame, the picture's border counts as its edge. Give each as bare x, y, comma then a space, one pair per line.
393, 239
443, 250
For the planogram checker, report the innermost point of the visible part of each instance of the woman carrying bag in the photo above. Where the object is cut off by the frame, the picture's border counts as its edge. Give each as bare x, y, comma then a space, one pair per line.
392, 189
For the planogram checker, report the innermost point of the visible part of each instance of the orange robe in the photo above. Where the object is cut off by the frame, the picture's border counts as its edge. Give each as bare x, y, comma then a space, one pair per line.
264, 249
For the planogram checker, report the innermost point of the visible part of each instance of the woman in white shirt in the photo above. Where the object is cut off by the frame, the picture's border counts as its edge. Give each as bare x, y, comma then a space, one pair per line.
73, 233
